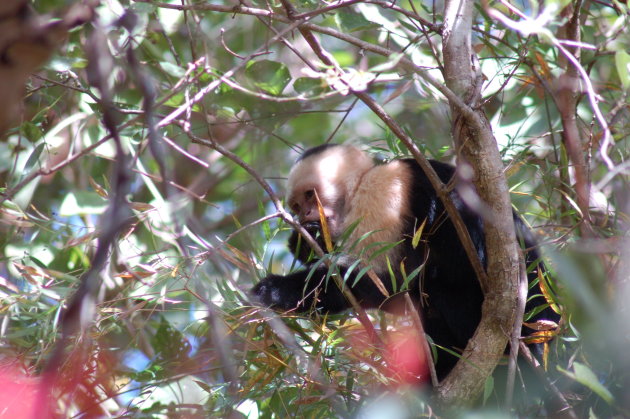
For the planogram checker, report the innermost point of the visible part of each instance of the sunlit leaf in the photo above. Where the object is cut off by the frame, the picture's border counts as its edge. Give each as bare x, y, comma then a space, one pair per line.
98, 188
418, 234
324, 224
81, 203
622, 62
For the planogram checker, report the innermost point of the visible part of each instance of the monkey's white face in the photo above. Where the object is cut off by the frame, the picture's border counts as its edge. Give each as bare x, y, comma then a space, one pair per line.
303, 202
333, 175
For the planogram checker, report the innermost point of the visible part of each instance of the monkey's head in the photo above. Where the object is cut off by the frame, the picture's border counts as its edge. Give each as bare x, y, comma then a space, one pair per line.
333, 172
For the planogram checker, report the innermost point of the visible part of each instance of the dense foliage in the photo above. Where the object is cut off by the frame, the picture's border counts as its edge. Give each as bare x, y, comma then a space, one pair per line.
139, 185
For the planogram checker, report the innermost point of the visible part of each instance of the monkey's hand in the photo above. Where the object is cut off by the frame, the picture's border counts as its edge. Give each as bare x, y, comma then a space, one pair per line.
280, 293
300, 248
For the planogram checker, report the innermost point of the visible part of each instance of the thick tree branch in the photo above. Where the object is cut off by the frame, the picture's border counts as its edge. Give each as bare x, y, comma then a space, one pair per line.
477, 147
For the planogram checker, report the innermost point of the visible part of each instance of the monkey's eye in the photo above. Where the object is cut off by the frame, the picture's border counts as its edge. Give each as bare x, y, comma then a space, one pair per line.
295, 208
309, 194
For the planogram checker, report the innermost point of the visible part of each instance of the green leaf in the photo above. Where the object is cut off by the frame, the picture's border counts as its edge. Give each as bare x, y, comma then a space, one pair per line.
170, 343
31, 131
411, 276
343, 57
199, 328
622, 62
265, 224
175, 100
585, 376
82, 203
146, 8
308, 85
270, 76
488, 388
173, 69
349, 21
34, 157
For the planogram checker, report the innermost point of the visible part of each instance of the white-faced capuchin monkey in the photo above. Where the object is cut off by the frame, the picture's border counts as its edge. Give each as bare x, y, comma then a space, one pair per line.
370, 205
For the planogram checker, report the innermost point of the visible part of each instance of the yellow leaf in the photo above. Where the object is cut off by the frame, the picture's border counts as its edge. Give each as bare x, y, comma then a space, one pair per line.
542, 325
141, 206
377, 281
418, 234
542, 336
546, 292
324, 223
98, 188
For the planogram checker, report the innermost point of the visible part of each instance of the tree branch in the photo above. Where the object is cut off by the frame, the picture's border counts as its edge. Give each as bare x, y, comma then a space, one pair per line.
477, 147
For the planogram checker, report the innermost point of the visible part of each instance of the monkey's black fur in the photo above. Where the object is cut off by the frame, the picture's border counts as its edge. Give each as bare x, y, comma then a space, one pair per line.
447, 290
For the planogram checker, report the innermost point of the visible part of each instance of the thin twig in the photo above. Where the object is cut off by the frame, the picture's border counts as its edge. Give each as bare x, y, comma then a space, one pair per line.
216, 83
565, 407
250, 225
403, 62
515, 334
234, 53
527, 22
417, 321
10, 193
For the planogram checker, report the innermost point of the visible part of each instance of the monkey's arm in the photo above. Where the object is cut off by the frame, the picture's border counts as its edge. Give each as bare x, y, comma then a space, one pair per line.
301, 291
304, 291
